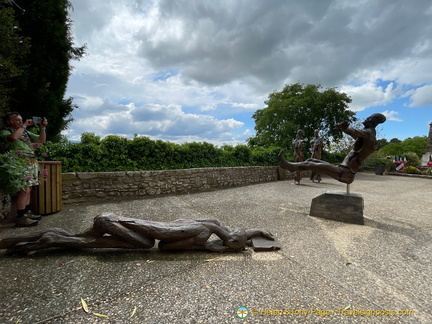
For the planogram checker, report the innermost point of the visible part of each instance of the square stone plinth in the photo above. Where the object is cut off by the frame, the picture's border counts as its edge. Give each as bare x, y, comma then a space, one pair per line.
338, 206
263, 244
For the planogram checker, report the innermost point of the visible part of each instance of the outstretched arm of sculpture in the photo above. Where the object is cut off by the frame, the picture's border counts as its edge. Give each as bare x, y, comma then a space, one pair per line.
112, 231
353, 132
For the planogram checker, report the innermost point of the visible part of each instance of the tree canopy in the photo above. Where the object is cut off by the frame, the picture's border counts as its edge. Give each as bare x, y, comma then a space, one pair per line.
12, 48
415, 144
40, 89
300, 106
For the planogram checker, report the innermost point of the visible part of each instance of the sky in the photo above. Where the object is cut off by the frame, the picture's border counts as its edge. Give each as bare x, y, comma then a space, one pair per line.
197, 70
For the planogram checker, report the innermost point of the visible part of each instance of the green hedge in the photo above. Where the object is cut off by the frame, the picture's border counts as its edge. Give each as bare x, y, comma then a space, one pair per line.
115, 153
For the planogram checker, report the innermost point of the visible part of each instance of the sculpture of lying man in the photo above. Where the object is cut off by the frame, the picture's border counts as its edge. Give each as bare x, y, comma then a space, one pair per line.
113, 231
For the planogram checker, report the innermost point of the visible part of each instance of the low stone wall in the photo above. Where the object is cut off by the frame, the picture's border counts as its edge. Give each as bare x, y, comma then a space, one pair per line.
93, 186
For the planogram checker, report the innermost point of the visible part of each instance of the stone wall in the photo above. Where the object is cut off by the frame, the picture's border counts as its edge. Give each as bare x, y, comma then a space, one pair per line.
93, 186
100, 186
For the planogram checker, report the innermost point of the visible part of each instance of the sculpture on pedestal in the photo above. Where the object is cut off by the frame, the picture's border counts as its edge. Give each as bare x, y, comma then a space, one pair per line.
341, 206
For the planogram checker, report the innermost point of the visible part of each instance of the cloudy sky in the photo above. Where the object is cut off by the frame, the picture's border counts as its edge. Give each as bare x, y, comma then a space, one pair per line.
196, 70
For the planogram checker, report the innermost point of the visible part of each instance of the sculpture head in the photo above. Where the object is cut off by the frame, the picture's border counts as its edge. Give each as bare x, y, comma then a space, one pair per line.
300, 133
374, 120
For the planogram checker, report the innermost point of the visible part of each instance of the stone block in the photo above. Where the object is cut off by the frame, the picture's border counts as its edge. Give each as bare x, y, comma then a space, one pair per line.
339, 206
263, 244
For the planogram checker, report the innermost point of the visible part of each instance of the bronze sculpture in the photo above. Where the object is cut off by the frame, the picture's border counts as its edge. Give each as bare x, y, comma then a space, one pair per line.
112, 231
365, 144
298, 153
316, 148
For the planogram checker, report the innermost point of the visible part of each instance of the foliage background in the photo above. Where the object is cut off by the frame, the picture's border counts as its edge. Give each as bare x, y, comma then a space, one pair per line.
410, 148
13, 48
115, 153
38, 49
299, 106
17, 173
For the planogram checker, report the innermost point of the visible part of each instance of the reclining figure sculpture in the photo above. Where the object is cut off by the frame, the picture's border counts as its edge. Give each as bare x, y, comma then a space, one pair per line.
112, 231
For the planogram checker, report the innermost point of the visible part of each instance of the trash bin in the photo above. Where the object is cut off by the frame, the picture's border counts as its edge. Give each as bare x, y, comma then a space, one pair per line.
379, 169
46, 198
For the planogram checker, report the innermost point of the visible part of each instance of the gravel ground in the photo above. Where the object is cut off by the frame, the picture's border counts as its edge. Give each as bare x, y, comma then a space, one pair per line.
326, 271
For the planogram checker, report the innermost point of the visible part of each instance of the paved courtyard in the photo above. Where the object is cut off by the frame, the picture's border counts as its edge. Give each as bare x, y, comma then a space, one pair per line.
326, 271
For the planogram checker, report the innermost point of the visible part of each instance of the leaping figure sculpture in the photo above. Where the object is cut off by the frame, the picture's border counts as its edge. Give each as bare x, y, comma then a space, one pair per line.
365, 144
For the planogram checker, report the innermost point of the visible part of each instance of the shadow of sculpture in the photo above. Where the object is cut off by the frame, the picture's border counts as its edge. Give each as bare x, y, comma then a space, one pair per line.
112, 231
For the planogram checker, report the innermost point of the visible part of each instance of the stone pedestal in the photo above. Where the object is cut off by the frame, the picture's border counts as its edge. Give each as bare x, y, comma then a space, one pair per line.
427, 153
338, 206
426, 157
282, 174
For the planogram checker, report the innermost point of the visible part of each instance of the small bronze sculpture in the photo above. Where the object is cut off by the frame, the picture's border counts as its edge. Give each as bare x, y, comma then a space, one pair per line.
365, 144
113, 231
316, 148
298, 153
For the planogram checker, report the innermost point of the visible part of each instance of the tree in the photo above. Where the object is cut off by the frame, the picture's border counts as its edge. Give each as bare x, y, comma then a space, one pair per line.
395, 140
90, 138
382, 142
299, 106
416, 144
12, 48
40, 89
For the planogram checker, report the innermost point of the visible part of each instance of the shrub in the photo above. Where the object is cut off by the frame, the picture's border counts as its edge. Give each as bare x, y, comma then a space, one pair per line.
374, 159
412, 170
90, 138
334, 158
415, 144
115, 153
412, 159
17, 172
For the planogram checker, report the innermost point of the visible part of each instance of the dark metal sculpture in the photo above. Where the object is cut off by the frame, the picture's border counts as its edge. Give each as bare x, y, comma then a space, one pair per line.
365, 144
113, 231
316, 149
298, 153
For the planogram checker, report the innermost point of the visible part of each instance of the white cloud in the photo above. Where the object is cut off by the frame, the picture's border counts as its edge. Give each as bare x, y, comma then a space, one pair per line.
421, 96
208, 107
246, 105
368, 95
152, 120
391, 115
199, 69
